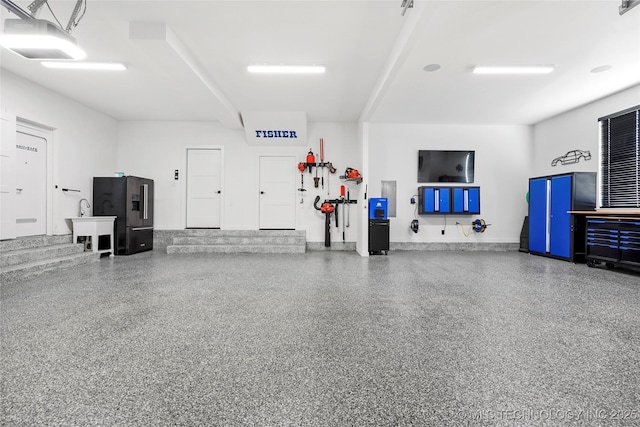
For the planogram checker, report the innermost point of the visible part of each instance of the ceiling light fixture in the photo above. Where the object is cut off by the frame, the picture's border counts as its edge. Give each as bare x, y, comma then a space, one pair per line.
39, 39
286, 69
65, 65
530, 69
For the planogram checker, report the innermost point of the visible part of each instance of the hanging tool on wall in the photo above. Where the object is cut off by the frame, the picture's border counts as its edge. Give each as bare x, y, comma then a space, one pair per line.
328, 207
322, 159
342, 194
348, 209
301, 168
479, 226
311, 160
316, 179
351, 173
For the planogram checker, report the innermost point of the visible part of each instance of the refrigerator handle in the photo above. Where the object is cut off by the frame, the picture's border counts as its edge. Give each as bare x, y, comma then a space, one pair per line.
145, 201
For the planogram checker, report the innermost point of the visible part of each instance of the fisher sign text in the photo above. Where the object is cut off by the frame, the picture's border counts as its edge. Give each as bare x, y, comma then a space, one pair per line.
276, 134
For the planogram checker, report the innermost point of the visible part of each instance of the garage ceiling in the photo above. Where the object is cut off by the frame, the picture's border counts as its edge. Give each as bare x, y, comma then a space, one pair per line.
375, 59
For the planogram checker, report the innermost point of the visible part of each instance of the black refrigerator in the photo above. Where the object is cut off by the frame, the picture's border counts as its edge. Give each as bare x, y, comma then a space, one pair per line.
130, 199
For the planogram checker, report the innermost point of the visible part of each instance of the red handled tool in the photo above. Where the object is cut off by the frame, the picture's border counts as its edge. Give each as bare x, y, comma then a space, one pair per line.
343, 213
322, 160
311, 160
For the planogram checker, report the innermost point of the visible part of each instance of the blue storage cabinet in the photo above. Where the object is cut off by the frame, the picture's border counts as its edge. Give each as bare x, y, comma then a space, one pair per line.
434, 200
560, 221
553, 231
466, 200
538, 217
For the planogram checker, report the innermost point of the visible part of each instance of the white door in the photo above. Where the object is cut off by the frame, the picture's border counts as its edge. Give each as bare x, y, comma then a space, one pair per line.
278, 192
31, 182
7, 177
204, 188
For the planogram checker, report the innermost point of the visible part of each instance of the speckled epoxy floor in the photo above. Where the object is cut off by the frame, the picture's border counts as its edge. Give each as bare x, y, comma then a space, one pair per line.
323, 338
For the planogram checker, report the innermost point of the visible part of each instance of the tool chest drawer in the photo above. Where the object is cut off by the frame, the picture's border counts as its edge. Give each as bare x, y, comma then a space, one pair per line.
602, 240
630, 242
613, 241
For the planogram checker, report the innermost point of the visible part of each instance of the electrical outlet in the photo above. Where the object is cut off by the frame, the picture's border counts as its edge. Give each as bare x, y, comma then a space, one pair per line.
413, 200
443, 232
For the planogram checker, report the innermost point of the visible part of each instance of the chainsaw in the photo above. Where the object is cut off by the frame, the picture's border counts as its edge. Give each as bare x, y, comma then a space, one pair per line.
351, 173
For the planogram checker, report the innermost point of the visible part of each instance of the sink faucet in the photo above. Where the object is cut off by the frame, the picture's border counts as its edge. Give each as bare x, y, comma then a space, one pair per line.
81, 209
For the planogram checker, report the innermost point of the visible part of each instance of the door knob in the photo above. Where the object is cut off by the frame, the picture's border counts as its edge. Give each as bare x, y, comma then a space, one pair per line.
262, 192
219, 191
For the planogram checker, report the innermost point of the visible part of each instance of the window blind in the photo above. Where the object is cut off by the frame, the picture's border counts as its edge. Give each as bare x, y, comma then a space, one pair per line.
620, 159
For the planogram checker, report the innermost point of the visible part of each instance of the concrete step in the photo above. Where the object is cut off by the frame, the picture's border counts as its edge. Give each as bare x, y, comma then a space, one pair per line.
29, 269
237, 241
240, 240
230, 249
24, 256
33, 242
192, 232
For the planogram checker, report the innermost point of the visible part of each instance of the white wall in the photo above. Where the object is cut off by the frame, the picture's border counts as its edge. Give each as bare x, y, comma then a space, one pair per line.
155, 149
576, 129
84, 141
88, 143
502, 169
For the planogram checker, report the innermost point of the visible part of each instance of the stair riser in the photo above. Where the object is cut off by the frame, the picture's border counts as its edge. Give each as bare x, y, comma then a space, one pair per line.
19, 273
244, 233
33, 242
232, 249
239, 241
14, 258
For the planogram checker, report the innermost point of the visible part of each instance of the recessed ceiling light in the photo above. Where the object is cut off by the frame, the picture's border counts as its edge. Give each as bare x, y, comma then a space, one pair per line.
108, 66
601, 69
286, 69
431, 67
529, 69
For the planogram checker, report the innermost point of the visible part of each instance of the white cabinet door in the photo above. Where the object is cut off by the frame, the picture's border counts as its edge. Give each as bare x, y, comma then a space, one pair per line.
204, 188
7, 177
278, 192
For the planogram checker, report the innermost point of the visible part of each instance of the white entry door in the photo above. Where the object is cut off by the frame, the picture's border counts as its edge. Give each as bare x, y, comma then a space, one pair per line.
31, 183
204, 188
278, 192
7, 177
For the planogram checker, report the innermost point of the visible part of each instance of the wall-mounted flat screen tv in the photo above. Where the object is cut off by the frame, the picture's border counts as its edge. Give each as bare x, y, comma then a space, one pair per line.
446, 166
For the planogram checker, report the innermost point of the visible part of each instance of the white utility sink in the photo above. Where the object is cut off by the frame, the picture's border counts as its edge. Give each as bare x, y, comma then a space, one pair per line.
94, 226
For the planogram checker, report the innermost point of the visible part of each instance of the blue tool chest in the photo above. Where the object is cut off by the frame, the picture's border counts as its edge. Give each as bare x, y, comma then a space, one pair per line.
613, 241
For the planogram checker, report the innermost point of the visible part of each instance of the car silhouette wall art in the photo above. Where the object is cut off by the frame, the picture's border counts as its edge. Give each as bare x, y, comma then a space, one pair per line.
572, 156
